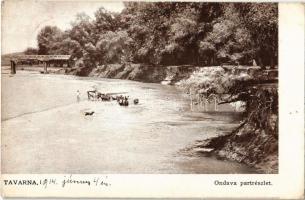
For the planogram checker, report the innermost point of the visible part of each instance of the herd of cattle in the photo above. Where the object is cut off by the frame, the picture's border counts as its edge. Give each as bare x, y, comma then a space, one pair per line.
94, 95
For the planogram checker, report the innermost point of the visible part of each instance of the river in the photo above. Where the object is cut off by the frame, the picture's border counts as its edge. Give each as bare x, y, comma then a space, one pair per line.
44, 129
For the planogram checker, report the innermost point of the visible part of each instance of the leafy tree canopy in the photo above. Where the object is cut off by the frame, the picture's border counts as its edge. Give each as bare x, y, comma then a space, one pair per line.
170, 33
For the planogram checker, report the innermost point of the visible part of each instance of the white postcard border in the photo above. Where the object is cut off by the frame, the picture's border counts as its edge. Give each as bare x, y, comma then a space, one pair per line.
289, 183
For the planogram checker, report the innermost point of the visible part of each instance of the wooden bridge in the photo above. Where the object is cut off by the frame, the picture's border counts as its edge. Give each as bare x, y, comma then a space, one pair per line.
45, 59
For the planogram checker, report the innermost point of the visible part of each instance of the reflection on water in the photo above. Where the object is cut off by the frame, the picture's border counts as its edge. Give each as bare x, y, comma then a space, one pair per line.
143, 138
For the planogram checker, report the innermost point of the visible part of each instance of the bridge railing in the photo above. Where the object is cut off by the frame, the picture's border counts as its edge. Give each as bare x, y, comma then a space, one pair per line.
41, 57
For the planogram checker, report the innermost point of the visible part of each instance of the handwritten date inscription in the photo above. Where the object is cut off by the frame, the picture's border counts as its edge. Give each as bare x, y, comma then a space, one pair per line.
66, 181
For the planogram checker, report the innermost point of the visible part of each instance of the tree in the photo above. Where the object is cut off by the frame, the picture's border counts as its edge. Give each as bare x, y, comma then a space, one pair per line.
82, 39
47, 39
262, 21
114, 47
31, 51
228, 42
105, 21
170, 33
82, 29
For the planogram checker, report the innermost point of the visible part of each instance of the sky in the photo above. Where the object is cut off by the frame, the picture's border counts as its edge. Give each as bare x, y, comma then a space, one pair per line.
23, 19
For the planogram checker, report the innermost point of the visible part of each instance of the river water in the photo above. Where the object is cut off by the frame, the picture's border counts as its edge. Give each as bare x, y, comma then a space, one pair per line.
44, 129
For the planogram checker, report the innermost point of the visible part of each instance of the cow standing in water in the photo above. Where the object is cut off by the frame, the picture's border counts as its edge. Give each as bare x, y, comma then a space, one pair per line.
123, 101
136, 101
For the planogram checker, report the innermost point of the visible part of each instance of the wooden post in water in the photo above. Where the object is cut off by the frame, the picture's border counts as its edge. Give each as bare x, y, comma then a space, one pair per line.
45, 66
236, 104
13, 67
215, 104
191, 99
198, 101
205, 105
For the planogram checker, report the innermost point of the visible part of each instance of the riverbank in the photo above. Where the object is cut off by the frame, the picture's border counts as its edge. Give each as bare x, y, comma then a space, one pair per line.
136, 72
255, 141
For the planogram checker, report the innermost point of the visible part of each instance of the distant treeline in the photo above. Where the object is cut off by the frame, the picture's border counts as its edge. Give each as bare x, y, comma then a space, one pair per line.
165, 33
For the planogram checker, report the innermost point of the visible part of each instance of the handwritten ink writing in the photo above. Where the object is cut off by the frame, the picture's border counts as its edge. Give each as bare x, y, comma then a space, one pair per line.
71, 180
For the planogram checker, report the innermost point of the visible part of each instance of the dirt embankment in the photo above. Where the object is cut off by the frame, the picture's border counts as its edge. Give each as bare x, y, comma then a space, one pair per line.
255, 141
136, 72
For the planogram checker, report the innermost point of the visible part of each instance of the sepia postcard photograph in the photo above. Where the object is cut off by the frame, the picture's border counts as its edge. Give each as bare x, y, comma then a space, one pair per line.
137, 88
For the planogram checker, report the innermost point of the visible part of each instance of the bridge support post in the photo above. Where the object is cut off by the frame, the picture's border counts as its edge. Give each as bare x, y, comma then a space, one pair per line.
13, 67
45, 66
